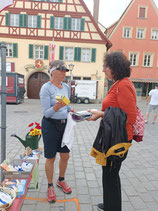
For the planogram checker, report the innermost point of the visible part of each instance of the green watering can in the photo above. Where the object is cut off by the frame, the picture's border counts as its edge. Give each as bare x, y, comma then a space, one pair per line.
30, 141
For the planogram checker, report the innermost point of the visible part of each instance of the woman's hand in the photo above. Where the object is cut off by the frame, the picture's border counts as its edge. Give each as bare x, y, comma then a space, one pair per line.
58, 105
72, 110
95, 114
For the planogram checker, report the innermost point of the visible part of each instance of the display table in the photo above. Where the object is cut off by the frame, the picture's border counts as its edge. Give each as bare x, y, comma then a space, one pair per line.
33, 175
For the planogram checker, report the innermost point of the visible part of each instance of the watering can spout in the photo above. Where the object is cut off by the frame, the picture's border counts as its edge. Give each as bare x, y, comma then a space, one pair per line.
22, 141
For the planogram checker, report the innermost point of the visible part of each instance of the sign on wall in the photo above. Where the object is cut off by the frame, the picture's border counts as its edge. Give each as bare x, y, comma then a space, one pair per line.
8, 67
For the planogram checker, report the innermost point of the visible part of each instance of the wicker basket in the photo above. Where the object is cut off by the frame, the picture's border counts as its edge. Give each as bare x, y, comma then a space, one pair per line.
12, 193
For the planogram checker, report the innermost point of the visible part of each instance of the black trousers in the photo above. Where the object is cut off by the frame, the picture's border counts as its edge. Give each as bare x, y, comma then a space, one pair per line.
111, 187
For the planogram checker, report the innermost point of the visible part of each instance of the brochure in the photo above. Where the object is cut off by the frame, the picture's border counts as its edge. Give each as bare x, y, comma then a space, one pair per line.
81, 115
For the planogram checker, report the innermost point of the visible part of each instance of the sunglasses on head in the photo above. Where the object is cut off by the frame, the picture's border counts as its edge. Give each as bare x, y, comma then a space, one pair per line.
61, 68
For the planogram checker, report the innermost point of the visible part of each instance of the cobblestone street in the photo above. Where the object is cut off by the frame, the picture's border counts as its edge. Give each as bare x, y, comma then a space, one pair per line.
139, 173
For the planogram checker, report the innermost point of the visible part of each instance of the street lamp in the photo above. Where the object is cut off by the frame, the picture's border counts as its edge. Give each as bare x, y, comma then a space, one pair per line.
71, 67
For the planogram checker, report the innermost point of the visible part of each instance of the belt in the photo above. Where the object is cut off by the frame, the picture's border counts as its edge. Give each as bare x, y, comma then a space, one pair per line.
57, 121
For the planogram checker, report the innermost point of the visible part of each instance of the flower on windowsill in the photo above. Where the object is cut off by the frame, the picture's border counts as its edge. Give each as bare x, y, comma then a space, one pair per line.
36, 131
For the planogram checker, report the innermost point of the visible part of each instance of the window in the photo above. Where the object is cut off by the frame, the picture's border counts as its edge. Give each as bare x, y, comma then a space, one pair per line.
32, 21
154, 35
147, 60
86, 78
39, 52
14, 18
9, 50
134, 59
86, 55
142, 12
68, 54
59, 22
77, 54
76, 78
127, 33
140, 34
75, 24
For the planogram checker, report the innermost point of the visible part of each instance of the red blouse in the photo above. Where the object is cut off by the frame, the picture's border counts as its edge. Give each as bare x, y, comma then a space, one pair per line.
123, 95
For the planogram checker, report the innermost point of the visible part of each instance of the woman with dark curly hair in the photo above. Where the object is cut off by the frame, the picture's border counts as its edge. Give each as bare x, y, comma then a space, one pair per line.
121, 95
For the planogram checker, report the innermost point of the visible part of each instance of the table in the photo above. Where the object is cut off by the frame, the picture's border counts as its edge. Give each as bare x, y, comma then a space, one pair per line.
19, 201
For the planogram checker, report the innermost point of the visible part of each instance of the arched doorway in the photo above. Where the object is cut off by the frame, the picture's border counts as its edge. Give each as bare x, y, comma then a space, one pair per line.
35, 82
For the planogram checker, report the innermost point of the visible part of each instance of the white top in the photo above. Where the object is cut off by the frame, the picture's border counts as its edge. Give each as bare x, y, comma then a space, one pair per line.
154, 97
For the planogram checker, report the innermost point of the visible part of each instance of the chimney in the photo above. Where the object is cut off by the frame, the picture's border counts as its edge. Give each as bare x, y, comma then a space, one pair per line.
96, 10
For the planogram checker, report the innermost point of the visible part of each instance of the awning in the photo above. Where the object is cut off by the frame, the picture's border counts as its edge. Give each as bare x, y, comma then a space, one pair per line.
144, 80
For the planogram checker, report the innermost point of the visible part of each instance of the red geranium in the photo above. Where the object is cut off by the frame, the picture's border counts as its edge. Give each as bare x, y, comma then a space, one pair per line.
31, 124
37, 123
38, 127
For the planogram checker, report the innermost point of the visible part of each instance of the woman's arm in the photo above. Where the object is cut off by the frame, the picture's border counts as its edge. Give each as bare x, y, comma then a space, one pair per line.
126, 99
95, 115
48, 110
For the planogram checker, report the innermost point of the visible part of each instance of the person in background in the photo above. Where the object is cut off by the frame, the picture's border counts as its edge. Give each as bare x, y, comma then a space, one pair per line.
122, 94
53, 126
153, 104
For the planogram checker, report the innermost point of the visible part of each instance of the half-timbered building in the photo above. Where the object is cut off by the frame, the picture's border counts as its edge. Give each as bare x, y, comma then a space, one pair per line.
29, 26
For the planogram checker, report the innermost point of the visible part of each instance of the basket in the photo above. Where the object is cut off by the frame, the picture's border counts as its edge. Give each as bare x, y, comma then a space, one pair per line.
18, 174
12, 193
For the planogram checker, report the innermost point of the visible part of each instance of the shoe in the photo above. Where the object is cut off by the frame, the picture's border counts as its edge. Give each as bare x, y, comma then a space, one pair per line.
152, 122
100, 207
51, 195
64, 186
146, 121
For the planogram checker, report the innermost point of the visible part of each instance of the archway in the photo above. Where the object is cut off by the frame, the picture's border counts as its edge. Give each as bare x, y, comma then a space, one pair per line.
35, 82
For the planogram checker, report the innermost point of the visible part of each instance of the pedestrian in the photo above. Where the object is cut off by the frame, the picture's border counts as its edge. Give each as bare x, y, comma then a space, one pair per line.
122, 94
153, 104
53, 126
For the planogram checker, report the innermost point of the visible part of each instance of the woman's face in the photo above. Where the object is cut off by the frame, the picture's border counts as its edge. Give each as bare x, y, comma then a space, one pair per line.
59, 75
107, 72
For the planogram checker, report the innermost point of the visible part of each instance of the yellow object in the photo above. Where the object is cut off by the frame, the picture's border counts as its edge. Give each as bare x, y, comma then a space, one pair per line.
118, 149
99, 156
61, 98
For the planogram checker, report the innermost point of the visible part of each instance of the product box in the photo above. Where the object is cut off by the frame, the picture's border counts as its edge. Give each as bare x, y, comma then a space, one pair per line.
19, 174
61, 98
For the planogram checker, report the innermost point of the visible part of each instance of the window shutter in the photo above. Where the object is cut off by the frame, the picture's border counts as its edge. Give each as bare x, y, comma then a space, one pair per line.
30, 51
60, 1
65, 23
52, 22
25, 20
61, 52
46, 50
38, 21
21, 20
69, 23
76, 53
7, 19
48, 0
93, 57
15, 50
77, 56
82, 24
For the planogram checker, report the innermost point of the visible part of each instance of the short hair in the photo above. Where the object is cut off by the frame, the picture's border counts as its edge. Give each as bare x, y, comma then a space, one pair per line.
118, 63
